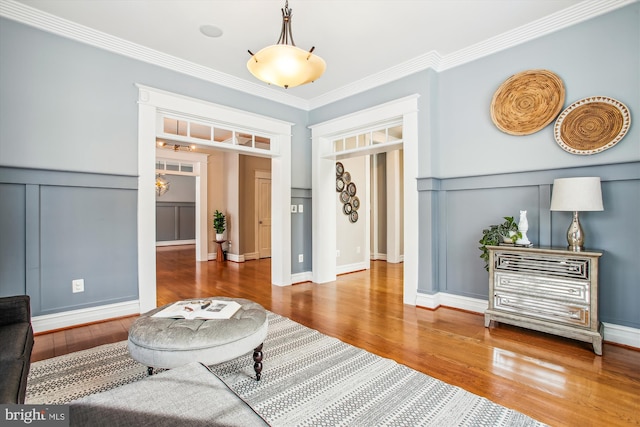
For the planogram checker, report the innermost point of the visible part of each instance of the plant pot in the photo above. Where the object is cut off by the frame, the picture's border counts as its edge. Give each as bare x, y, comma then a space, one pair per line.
509, 239
219, 236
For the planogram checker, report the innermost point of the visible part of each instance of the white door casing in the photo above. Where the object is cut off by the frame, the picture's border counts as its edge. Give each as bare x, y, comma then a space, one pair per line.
150, 101
199, 161
323, 187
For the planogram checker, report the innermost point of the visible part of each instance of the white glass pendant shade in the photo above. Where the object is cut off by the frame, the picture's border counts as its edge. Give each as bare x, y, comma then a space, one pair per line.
286, 65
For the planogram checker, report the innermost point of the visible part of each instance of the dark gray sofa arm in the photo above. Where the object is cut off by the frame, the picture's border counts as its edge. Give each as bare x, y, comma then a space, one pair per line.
16, 309
16, 336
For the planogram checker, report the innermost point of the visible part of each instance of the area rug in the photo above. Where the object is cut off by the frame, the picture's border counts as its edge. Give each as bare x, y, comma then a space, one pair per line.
308, 379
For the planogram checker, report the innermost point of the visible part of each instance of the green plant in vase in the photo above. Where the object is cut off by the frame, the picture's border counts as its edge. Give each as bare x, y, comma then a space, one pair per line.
496, 234
219, 222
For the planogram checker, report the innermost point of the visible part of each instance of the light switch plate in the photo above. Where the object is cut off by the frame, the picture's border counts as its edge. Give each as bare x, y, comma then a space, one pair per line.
294, 208
300, 208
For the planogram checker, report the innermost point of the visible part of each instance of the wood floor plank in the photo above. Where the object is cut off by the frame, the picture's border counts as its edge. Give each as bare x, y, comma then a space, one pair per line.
553, 379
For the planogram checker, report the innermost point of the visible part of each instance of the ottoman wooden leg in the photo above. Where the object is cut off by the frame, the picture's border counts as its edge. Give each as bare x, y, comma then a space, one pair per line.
257, 358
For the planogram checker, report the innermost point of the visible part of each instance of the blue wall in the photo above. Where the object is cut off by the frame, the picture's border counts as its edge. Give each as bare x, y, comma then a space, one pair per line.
69, 135
69, 107
471, 174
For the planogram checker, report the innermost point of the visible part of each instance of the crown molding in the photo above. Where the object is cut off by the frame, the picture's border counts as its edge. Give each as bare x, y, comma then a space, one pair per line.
47, 22
580, 12
562, 19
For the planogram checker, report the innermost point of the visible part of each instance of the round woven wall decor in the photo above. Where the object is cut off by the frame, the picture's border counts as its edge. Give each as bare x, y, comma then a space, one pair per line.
527, 102
592, 125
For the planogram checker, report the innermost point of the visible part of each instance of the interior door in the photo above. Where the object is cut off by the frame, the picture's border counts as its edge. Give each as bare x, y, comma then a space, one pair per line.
263, 208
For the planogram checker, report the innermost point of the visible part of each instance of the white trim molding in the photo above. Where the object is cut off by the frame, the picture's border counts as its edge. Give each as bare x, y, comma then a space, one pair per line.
622, 335
152, 100
613, 333
575, 14
352, 268
175, 243
433, 301
306, 276
49, 322
323, 186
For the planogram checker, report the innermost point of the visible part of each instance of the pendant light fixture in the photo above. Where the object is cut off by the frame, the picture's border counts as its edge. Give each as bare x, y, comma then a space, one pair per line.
162, 185
284, 64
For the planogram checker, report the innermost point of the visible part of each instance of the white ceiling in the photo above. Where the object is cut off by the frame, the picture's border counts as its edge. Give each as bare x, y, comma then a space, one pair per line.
360, 40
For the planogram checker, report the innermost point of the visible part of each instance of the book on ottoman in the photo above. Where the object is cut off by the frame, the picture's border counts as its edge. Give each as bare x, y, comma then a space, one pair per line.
200, 309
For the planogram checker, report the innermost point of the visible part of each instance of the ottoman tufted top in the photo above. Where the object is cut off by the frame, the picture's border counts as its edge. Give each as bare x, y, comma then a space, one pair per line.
158, 333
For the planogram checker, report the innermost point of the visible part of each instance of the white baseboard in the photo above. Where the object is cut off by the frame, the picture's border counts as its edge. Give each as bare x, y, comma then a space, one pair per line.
350, 268
383, 257
434, 301
251, 255
66, 319
235, 258
231, 257
613, 333
307, 276
176, 243
622, 335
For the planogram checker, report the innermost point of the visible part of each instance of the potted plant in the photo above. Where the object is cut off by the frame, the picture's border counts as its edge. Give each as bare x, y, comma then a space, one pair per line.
507, 232
218, 224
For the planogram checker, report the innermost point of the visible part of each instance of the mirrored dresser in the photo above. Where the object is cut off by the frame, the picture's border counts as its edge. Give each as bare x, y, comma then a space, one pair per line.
550, 290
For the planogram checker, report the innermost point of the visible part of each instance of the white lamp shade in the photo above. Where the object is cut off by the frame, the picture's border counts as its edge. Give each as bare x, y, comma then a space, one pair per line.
577, 194
286, 65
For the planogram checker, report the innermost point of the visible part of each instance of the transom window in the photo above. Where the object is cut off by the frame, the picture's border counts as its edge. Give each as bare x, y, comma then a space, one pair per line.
176, 130
167, 165
387, 135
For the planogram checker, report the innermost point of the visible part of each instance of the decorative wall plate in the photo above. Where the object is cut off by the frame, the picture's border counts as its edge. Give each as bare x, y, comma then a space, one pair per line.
344, 197
527, 102
347, 177
355, 202
339, 169
592, 125
351, 189
347, 208
339, 185
353, 216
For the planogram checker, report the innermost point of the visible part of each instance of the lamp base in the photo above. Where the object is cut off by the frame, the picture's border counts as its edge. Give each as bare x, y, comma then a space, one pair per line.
575, 235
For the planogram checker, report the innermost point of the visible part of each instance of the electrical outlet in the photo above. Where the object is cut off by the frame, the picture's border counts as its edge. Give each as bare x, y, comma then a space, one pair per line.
300, 208
338, 253
77, 285
300, 258
358, 249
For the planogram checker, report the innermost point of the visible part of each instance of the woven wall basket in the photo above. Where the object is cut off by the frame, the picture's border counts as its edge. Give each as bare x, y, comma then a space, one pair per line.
592, 125
527, 102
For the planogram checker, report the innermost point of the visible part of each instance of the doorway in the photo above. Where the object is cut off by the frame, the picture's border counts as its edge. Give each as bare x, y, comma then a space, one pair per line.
403, 111
263, 213
151, 101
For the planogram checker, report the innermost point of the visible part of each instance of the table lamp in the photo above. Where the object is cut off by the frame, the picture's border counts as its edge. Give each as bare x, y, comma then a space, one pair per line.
575, 195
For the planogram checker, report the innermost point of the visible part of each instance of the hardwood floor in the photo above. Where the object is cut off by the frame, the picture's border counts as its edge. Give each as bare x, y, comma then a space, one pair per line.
555, 380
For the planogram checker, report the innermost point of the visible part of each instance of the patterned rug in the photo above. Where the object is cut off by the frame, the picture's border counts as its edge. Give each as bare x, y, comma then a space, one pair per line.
308, 379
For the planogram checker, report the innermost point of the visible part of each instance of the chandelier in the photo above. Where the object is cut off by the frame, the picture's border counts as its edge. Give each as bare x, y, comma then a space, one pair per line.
162, 185
283, 64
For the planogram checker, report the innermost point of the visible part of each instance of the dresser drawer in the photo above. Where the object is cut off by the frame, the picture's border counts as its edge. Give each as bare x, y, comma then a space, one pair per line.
543, 264
539, 287
557, 311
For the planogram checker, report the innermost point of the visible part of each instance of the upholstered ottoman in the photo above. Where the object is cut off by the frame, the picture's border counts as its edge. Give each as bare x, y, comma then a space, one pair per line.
168, 343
